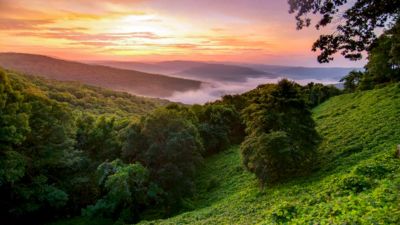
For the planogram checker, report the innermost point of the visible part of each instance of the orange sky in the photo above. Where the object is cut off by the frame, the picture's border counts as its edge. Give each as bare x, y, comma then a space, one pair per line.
214, 30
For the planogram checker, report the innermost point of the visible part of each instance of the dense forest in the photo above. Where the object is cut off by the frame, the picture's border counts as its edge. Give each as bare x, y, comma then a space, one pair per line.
70, 149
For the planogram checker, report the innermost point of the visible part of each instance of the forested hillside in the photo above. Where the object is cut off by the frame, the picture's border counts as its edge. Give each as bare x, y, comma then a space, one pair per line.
356, 178
81, 97
131, 81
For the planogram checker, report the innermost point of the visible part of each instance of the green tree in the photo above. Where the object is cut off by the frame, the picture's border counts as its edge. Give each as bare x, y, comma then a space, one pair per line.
14, 115
281, 139
352, 80
125, 189
315, 93
99, 138
383, 65
384, 59
218, 125
169, 145
357, 31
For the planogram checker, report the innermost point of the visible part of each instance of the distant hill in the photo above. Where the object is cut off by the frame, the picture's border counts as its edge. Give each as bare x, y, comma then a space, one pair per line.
229, 71
318, 73
223, 72
193, 70
165, 67
117, 79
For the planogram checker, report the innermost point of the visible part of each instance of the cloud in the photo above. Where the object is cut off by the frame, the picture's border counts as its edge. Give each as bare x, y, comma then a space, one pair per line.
94, 43
75, 35
22, 24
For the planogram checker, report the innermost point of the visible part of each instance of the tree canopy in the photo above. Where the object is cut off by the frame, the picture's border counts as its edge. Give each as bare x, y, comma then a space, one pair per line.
281, 139
356, 23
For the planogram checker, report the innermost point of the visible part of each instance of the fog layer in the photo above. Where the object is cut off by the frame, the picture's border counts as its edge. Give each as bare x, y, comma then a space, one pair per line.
213, 90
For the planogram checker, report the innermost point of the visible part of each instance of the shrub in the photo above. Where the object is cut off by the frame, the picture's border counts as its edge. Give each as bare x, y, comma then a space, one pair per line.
284, 213
354, 183
376, 171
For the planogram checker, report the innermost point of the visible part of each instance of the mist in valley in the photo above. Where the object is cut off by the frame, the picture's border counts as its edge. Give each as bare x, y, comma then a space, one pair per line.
212, 90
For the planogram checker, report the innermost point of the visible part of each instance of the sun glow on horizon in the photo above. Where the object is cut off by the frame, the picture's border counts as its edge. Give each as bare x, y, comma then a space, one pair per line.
154, 30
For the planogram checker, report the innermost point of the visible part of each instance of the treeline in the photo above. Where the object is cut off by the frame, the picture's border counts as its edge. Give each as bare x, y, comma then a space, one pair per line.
63, 152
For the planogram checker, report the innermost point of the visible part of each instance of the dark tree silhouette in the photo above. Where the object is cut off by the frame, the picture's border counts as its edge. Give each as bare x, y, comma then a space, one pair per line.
357, 22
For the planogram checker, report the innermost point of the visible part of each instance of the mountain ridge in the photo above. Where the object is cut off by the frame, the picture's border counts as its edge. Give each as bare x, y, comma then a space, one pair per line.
134, 82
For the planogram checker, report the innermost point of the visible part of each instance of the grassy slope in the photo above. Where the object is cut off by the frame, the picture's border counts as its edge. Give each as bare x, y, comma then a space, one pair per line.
358, 181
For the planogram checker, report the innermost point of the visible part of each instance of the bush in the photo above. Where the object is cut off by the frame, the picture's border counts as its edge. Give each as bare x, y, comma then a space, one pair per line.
284, 213
376, 171
354, 183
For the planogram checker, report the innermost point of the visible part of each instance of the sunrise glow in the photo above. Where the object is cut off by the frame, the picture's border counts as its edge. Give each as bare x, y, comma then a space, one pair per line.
154, 30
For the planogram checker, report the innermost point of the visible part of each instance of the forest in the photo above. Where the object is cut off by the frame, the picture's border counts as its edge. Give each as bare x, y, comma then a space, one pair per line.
71, 149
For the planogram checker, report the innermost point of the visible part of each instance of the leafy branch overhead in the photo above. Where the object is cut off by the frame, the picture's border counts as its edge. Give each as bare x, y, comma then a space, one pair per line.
357, 23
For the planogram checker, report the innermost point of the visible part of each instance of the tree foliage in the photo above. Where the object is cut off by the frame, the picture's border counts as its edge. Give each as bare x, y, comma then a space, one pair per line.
219, 126
383, 66
356, 30
168, 143
316, 93
281, 137
14, 117
125, 190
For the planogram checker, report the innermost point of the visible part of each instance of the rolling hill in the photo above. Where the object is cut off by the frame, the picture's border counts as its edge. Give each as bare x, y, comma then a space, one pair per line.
323, 73
222, 72
231, 71
164, 67
357, 180
116, 79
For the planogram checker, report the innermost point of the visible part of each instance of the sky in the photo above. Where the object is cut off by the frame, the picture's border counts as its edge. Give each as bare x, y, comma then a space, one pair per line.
253, 31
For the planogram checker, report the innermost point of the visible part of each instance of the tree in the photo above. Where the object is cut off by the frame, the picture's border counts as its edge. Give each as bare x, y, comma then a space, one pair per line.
384, 59
169, 145
99, 138
383, 66
316, 93
281, 139
218, 126
355, 33
14, 115
125, 188
352, 80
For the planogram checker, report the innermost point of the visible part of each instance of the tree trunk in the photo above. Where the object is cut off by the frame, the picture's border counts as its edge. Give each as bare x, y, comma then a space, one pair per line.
398, 151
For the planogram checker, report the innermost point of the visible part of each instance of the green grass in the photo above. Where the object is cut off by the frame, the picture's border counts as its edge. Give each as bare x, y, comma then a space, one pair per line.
357, 180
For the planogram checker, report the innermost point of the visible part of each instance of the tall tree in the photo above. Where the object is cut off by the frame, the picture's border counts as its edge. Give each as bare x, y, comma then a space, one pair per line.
281, 139
357, 23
